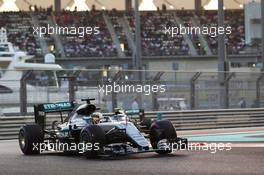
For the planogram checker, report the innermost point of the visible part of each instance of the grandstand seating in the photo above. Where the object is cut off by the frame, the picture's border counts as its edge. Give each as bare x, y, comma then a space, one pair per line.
154, 41
235, 19
20, 32
99, 45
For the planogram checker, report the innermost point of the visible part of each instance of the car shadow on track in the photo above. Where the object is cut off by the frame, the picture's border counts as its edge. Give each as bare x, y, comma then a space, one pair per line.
115, 158
142, 156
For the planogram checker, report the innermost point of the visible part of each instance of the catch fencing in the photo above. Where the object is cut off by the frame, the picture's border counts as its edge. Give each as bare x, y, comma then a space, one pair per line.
151, 90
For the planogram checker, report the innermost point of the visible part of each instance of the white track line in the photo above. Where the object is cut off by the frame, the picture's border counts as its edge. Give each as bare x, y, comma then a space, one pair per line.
233, 145
247, 145
3, 141
224, 133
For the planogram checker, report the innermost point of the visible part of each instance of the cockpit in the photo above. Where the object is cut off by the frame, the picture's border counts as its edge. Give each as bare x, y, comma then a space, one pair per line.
87, 114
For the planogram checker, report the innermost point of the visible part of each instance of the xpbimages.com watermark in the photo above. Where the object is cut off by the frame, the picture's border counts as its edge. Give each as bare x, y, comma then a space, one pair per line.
145, 89
58, 146
213, 148
212, 31
80, 31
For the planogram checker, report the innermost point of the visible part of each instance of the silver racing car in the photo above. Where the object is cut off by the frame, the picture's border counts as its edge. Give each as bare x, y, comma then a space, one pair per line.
120, 133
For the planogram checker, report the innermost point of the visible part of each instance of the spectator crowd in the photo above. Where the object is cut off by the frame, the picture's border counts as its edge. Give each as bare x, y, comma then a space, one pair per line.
154, 41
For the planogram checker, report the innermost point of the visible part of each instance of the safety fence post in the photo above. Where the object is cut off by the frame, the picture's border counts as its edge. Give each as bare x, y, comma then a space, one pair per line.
23, 92
228, 76
192, 93
156, 79
258, 91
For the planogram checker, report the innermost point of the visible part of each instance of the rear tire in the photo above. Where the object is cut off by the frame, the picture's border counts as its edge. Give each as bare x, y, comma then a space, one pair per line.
161, 130
30, 135
93, 134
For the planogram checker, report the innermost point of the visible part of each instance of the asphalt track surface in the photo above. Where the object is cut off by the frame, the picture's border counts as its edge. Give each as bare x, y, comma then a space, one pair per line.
239, 160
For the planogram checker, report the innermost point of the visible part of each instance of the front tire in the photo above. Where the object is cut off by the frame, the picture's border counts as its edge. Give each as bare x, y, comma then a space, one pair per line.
94, 136
160, 130
30, 136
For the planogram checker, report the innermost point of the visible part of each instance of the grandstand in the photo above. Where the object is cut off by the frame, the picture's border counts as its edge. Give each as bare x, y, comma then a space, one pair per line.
154, 41
117, 33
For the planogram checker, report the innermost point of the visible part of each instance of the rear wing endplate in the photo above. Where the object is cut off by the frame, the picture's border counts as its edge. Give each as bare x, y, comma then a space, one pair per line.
41, 110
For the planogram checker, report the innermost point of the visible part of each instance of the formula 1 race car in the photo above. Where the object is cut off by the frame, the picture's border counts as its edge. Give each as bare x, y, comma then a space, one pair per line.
120, 133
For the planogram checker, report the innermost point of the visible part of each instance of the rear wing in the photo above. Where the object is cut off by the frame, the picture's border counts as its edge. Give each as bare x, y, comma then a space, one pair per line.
41, 110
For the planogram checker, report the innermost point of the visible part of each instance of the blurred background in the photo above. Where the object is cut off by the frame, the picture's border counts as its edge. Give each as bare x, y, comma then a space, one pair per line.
199, 71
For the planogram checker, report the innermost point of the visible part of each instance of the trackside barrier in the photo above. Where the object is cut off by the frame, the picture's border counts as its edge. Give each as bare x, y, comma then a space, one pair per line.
182, 120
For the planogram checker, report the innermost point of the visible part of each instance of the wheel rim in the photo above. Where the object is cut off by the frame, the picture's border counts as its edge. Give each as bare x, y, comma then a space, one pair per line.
84, 140
22, 140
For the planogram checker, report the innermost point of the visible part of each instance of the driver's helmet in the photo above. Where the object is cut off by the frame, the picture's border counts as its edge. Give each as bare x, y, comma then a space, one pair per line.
96, 117
119, 111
